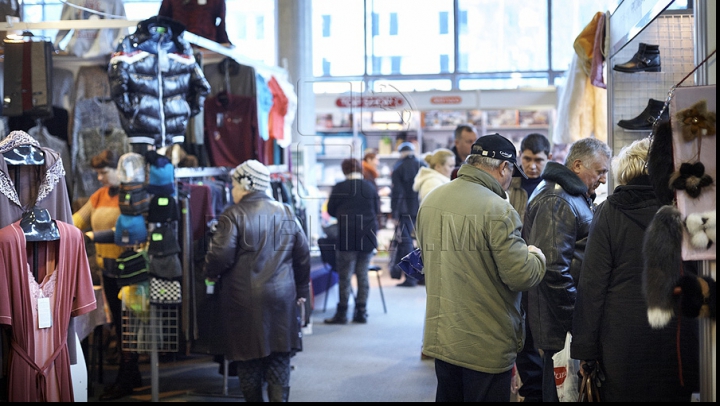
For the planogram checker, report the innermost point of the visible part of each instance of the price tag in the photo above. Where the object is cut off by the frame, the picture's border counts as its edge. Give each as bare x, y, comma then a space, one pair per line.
209, 287
44, 314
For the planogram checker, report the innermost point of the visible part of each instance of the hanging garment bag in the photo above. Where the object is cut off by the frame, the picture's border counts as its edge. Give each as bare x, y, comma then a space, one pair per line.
28, 78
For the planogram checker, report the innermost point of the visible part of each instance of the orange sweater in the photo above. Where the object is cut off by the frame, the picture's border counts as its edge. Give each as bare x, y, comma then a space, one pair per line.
100, 213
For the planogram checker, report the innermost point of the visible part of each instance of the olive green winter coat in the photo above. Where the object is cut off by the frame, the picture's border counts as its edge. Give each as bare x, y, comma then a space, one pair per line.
476, 265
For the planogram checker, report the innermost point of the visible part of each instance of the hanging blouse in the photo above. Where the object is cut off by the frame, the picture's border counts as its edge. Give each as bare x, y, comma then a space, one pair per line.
39, 365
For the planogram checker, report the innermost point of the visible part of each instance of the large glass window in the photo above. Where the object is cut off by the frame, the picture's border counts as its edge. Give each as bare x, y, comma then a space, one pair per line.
505, 35
499, 43
345, 47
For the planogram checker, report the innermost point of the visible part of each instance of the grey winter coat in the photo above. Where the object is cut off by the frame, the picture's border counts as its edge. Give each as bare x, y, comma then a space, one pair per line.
476, 266
156, 83
557, 221
260, 252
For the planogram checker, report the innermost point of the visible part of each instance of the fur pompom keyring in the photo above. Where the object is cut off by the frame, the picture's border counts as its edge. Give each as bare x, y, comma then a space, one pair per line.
701, 227
696, 121
691, 178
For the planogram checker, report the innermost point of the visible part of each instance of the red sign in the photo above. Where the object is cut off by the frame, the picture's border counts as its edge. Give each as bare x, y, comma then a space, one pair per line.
370, 101
446, 100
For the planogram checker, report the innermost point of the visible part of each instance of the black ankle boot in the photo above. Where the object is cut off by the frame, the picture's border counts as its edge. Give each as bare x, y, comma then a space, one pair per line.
646, 119
340, 316
360, 315
646, 59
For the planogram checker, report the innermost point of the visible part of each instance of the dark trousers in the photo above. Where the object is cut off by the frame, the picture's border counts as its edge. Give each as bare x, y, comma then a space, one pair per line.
529, 365
458, 384
405, 237
548, 384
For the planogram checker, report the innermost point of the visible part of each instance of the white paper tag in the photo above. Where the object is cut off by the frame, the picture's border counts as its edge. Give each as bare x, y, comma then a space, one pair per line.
44, 315
202, 2
210, 289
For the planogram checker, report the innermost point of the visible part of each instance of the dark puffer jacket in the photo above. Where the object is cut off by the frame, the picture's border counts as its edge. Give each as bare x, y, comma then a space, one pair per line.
156, 83
557, 221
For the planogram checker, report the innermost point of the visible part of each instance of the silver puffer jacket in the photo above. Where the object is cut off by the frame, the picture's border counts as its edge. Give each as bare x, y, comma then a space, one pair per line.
156, 83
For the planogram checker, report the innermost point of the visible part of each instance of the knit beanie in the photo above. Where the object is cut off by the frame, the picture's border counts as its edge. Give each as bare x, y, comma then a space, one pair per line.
253, 175
161, 179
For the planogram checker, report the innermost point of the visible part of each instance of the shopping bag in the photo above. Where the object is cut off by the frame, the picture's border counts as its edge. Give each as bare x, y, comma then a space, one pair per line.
566, 373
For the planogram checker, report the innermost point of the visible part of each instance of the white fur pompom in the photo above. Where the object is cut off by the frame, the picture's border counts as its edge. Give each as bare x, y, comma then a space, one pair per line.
659, 318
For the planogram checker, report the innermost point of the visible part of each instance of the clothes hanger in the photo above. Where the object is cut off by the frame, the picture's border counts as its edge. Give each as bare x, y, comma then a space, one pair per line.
24, 155
37, 225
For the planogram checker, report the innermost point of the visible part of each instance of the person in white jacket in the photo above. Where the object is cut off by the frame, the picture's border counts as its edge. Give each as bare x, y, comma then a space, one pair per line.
440, 166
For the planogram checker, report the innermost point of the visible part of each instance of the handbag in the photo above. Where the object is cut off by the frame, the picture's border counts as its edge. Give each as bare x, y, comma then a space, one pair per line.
566, 373
412, 265
590, 383
165, 292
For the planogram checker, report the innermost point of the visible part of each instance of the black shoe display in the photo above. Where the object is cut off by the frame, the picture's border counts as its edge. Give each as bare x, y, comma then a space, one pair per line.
646, 59
646, 119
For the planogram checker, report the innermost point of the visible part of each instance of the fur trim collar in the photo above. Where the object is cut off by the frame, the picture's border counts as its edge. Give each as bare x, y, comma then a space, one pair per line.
563, 176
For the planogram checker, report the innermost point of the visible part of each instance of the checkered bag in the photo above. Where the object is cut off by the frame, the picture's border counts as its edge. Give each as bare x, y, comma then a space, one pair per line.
165, 292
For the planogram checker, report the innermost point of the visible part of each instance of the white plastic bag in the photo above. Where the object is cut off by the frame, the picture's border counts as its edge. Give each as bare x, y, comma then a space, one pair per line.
566, 373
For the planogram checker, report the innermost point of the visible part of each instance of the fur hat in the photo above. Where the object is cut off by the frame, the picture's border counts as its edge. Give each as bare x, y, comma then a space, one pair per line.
253, 175
662, 258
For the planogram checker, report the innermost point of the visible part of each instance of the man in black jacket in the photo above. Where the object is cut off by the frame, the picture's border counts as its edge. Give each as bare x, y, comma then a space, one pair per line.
557, 221
354, 202
404, 204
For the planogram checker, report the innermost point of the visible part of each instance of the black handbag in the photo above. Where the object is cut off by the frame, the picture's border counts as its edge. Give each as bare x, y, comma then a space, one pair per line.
591, 382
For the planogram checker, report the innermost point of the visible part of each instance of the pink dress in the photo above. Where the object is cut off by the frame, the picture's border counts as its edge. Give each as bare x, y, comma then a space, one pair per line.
39, 365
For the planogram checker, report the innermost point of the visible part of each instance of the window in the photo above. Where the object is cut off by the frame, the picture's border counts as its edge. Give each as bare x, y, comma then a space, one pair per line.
463, 23
326, 26
375, 24
444, 22
260, 27
393, 24
395, 64
326, 67
444, 64
241, 27
376, 65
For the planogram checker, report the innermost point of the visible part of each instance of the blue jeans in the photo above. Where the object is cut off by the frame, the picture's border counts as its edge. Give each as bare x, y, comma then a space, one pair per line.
347, 264
458, 384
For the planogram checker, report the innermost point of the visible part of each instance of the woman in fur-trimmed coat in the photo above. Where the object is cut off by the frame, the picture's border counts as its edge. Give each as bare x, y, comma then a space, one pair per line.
610, 322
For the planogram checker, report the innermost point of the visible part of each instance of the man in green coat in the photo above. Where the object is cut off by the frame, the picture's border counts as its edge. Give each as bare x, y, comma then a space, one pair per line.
476, 264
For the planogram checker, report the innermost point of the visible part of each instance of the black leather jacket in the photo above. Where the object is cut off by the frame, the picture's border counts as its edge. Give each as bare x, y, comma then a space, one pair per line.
260, 253
156, 83
557, 221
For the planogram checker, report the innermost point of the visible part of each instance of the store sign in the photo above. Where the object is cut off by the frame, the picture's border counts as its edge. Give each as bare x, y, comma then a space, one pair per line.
446, 100
383, 102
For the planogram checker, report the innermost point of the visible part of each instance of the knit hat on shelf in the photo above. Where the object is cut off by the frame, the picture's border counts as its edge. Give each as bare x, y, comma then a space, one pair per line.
253, 175
161, 179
